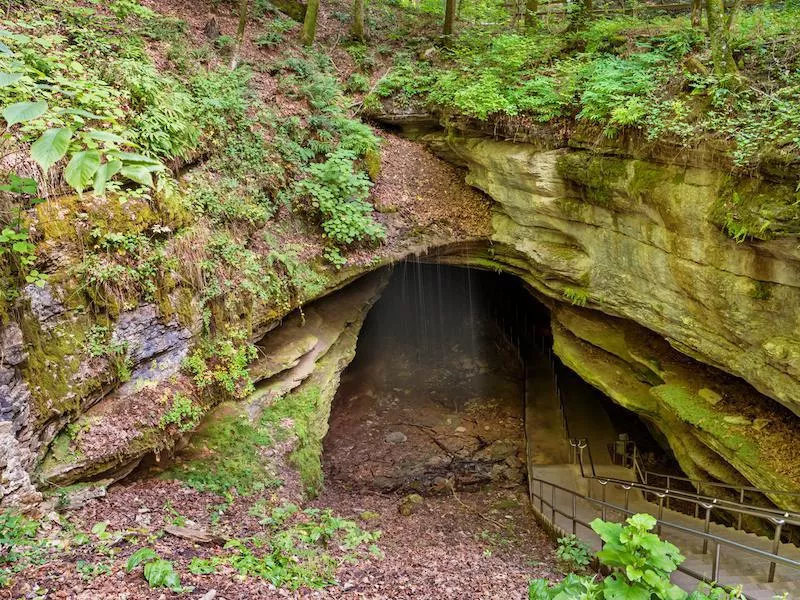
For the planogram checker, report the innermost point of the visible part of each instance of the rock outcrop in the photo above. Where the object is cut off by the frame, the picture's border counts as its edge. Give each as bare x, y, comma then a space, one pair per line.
643, 243
688, 277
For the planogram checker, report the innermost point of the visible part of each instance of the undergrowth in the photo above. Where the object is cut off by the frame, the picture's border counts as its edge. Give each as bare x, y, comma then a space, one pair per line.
616, 74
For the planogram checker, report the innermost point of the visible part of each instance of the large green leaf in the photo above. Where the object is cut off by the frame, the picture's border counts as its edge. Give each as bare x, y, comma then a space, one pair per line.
606, 530
81, 169
139, 173
51, 147
23, 111
139, 159
9, 78
160, 573
105, 172
140, 556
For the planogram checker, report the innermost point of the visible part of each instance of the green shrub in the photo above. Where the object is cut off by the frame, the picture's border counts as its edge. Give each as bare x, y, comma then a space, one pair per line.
18, 544
340, 192
158, 573
183, 413
640, 565
573, 554
223, 362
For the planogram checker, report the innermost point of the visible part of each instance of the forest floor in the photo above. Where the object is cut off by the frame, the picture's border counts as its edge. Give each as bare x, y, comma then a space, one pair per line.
402, 422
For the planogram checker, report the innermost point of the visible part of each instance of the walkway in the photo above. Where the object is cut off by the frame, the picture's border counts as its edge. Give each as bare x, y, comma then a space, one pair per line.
736, 567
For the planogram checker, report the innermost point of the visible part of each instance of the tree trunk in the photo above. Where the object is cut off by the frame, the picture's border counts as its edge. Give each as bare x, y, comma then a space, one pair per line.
310, 23
697, 12
357, 28
719, 37
531, 6
449, 17
244, 5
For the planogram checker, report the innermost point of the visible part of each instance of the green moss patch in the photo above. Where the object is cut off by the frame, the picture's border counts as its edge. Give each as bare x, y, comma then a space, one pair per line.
226, 456
295, 414
758, 209
693, 409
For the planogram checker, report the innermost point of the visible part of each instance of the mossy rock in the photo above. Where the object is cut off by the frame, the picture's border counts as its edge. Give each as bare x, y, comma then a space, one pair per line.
749, 207
729, 430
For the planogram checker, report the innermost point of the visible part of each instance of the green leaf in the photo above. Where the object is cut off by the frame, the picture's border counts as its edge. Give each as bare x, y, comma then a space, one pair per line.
5, 50
23, 247
51, 147
139, 159
643, 521
100, 528
607, 531
83, 113
139, 174
140, 556
23, 111
616, 589
160, 573
81, 169
106, 136
20, 185
105, 172
7, 79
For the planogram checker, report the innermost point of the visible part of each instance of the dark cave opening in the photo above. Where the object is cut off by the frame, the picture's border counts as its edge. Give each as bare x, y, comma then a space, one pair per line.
436, 394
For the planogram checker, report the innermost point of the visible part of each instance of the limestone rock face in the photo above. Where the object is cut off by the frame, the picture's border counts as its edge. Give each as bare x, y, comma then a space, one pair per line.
643, 240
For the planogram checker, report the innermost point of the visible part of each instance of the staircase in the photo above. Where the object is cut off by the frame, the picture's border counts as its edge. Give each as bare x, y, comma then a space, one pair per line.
566, 498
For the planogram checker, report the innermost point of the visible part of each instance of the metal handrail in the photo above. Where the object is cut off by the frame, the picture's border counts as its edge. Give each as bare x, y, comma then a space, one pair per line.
788, 517
700, 482
706, 537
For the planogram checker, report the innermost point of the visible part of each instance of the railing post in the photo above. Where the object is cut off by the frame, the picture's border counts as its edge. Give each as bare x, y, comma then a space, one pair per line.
603, 510
553, 504
776, 546
660, 510
574, 515
715, 563
541, 497
627, 495
697, 504
706, 526
741, 501
669, 486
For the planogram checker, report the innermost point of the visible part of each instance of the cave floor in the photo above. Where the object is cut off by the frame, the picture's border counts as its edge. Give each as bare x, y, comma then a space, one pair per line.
441, 418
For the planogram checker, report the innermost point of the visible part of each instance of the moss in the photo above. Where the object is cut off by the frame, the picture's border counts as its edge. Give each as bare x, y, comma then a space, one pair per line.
62, 449
648, 176
598, 176
73, 219
184, 308
695, 411
372, 162
226, 454
302, 408
749, 207
761, 290
54, 359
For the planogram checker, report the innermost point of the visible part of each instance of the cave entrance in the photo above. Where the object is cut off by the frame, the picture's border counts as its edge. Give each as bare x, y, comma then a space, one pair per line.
452, 366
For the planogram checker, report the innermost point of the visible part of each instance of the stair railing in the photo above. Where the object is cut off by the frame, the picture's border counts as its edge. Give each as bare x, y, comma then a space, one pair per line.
548, 511
777, 517
641, 474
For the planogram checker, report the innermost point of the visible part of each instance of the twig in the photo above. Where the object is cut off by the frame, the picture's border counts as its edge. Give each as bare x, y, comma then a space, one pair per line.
477, 512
